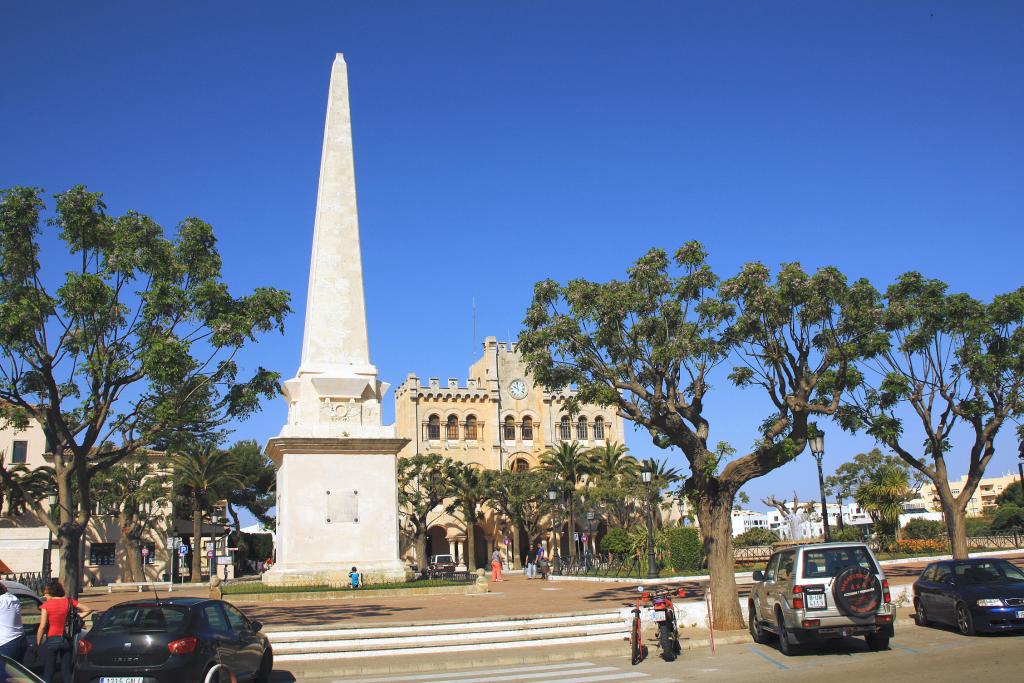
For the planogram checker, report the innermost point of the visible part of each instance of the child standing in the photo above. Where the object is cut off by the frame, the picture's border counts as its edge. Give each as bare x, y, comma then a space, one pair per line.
355, 579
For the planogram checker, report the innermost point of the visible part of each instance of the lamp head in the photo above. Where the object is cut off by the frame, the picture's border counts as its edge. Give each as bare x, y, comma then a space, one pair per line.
818, 442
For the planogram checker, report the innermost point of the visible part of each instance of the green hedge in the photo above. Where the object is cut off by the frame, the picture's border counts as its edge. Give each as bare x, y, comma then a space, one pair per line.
685, 548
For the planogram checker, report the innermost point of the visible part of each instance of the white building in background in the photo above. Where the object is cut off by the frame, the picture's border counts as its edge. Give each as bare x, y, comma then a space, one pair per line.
745, 520
807, 523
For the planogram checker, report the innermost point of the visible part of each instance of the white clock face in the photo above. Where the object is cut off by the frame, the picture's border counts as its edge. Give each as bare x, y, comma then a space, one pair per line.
517, 389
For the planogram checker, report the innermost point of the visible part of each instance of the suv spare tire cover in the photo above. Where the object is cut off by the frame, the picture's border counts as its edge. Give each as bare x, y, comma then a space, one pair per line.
857, 591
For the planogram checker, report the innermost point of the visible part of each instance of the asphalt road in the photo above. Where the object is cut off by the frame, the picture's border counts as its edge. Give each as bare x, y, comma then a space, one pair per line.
930, 654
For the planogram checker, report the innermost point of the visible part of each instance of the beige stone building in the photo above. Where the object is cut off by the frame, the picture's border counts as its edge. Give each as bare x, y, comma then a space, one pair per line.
498, 419
25, 541
983, 500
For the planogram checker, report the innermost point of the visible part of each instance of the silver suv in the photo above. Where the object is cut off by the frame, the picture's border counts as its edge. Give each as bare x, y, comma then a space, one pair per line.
813, 592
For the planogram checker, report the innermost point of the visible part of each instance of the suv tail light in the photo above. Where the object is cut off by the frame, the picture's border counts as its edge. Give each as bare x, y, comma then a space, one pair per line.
798, 597
183, 646
84, 647
885, 591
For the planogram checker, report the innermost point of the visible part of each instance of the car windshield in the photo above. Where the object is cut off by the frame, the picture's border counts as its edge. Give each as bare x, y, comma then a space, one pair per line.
994, 571
823, 563
443, 558
142, 618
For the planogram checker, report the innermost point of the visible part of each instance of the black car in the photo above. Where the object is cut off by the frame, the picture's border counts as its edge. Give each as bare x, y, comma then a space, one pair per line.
172, 641
972, 595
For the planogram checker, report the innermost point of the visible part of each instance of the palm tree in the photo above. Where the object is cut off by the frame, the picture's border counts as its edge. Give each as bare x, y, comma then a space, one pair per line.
206, 474
882, 496
569, 463
612, 463
468, 490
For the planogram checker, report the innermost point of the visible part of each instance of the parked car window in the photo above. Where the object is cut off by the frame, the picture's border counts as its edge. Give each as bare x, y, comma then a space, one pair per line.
237, 620
942, 573
827, 562
786, 565
928, 574
773, 567
214, 619
29, 611
142, 618
986, 572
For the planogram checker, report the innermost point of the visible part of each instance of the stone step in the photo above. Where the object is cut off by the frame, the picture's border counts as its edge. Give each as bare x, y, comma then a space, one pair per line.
597, 641
357, 632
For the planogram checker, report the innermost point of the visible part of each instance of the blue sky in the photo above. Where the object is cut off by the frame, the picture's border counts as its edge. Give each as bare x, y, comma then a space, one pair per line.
501, 143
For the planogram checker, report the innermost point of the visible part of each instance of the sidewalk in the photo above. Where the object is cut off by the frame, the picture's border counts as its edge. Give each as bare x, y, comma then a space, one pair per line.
514, 597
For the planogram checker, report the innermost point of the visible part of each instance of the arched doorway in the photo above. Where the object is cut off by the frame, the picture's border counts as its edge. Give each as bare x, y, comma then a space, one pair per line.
437, 542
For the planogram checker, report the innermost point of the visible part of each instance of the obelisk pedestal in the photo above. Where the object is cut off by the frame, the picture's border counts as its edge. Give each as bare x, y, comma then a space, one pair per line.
337, 498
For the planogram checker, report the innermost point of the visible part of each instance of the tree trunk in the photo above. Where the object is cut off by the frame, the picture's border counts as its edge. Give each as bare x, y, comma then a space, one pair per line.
956, 524
197, 538
133, 557
70, 542
516, 561
421, 544
470, 559
842, 524
716, 530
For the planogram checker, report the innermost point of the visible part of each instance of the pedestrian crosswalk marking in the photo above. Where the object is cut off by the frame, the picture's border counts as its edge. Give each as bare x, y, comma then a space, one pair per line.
575, 672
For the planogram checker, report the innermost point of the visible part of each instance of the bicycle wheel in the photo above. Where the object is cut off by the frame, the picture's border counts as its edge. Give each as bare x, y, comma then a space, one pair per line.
635, 645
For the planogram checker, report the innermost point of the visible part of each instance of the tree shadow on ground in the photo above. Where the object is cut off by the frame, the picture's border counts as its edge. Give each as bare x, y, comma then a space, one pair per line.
318, 614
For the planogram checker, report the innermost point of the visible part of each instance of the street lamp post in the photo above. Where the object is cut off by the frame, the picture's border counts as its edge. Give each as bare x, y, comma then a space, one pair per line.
553, 497
818, 451
652, 567
590, 533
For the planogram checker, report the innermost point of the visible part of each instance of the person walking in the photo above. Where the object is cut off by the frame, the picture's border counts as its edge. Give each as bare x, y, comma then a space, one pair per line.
496, 566
12, 632
538, 559
54, 648
531, 565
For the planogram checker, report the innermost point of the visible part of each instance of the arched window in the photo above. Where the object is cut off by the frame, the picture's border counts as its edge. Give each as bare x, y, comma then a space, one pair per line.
527, 429
453, 428
581, 429
433, 428
565, 428
598, 427
471, 428
519, 465
510, 429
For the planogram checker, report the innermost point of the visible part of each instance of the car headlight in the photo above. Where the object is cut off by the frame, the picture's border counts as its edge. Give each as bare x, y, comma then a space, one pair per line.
990, 602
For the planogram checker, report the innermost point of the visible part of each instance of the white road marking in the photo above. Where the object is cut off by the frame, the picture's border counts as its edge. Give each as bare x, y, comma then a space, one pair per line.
575, 672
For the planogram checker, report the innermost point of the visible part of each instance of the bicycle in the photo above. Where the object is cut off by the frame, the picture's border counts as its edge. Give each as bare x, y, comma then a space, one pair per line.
638, 651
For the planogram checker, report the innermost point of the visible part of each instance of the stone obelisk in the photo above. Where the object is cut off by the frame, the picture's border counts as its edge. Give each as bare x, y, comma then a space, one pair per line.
337, 501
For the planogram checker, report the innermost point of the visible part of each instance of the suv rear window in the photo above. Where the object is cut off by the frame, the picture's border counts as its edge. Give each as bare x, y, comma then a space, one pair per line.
142, 619
824, 563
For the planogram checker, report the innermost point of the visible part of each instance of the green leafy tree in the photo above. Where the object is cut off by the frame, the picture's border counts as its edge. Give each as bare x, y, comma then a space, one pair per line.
946, 368
27, 485
1012, 494
755, 536
522, 498
882, 496
612, 462
205, 474
468, 488
849, 476
616, 542
924, 529
139, 338
650, 344
1009, 516
136, 491
256, 489
423, 486
569, 463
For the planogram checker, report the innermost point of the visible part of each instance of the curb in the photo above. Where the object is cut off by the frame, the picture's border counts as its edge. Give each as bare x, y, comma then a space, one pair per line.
260, 598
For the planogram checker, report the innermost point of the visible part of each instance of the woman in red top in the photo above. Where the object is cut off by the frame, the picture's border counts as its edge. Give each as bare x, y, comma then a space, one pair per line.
52, 644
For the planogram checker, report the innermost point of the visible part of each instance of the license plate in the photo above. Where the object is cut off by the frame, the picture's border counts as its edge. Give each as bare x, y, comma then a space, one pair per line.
659, 615
1020, 614
816, 601
121, 679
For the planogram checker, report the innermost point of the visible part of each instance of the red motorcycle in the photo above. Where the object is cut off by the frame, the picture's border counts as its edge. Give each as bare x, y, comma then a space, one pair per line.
663, 613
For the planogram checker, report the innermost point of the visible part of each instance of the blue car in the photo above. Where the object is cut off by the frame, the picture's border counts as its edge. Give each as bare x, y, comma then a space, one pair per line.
972, 595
